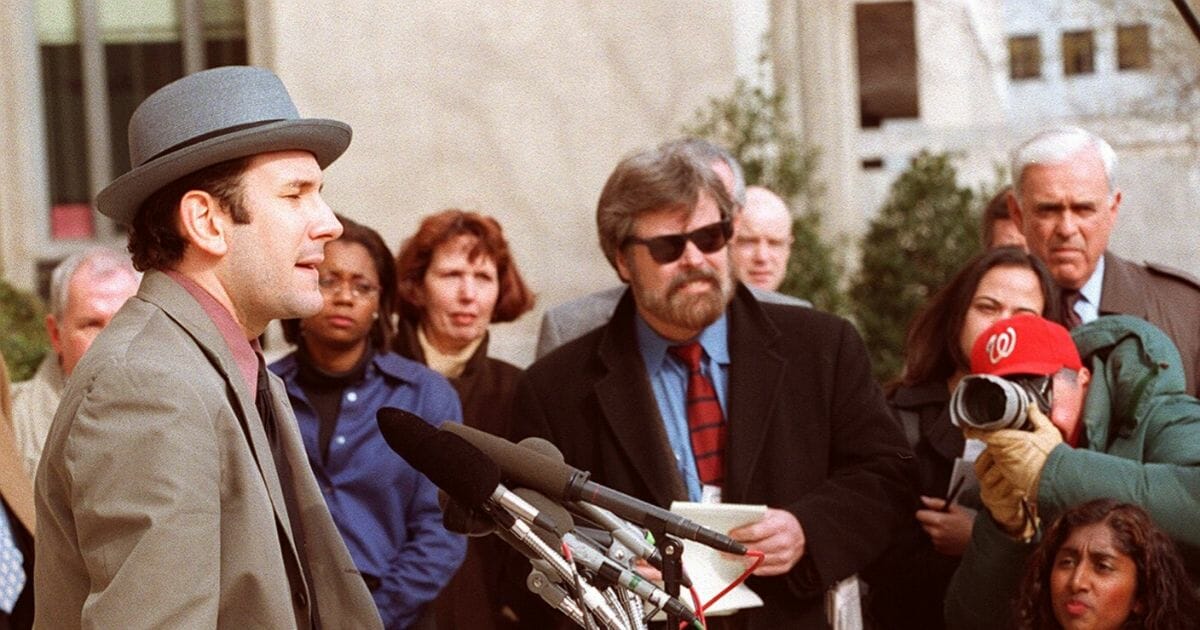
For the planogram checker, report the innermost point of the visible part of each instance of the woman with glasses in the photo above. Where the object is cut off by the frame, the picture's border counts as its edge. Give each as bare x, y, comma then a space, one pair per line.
337, 379
909, 583
455, 277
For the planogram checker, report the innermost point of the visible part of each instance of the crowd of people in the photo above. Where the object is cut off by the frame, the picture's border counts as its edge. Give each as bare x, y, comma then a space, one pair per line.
156, 472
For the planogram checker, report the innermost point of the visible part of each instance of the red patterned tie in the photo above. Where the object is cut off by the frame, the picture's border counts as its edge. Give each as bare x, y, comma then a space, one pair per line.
706, 423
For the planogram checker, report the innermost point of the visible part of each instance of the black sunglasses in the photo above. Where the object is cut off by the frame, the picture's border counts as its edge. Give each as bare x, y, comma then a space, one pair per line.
668, 248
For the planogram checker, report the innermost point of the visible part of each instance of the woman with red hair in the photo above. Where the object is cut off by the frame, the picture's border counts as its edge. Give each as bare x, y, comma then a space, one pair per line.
455, 277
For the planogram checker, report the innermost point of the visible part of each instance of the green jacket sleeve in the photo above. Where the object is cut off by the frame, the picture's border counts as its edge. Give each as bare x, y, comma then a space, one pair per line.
985, 586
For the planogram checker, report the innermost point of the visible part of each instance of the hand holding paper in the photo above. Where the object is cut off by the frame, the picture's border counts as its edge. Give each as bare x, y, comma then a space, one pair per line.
779, 536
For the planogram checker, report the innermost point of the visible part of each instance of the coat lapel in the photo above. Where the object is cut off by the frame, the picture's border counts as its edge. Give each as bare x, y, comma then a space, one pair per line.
627, 404
1121, 290
756, 370
180, 306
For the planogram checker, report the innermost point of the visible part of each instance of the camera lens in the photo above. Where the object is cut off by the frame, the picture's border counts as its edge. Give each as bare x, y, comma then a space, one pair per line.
985, 401
989, 402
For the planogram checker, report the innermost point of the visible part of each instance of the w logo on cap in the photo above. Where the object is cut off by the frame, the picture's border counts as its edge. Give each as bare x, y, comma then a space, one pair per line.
1002, 344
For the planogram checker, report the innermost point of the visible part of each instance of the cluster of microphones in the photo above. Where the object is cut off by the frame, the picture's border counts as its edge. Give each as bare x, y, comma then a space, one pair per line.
583, 540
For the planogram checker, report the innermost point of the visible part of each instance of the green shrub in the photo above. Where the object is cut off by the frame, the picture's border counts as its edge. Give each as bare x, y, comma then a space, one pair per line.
22, 331
926, 230
752, 125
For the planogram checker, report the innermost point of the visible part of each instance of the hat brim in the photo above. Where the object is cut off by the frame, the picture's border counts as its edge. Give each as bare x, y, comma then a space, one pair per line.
325, 139
1036, 368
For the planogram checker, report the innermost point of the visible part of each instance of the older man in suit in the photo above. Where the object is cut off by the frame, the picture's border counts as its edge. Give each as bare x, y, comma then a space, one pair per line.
696, 390
173, 490
1065, 202
86, 290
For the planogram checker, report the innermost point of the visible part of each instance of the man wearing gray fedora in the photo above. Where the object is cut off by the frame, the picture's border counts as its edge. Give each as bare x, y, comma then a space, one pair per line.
174, 490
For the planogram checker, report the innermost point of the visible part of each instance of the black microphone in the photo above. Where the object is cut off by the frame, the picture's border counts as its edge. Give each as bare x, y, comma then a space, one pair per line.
460, 469
460, 519
525, 467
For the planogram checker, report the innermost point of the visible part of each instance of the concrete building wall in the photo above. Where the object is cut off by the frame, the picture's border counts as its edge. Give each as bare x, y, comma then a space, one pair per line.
970, 108
521, 111
518, 110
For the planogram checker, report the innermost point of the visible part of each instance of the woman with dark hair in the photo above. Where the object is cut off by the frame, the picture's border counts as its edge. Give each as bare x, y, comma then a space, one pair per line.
456, 277
1105, 564
912, 578
337, 379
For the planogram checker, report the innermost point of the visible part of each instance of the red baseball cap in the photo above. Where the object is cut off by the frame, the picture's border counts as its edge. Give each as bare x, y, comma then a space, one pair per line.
1024, 344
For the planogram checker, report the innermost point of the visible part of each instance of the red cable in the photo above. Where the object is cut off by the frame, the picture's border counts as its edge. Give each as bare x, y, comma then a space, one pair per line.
758, 560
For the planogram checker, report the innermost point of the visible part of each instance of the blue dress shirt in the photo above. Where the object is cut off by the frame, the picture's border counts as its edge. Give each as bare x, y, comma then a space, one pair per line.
668, 378
386, 511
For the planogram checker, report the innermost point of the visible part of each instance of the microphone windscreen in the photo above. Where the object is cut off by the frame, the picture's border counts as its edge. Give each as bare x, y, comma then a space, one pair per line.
563, 522
463, 520
450, 462
543, 446
520, 466
404, 431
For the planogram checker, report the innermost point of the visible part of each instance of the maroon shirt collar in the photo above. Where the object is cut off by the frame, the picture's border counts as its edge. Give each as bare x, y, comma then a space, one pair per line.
245, 352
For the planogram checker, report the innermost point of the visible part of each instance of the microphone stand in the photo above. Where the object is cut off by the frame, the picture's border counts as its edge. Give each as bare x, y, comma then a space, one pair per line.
671, 549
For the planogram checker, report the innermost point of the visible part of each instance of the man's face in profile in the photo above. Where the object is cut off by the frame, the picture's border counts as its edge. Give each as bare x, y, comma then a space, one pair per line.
272, 260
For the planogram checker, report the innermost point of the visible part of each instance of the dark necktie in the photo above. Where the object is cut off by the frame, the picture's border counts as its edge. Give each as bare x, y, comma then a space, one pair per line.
266, 411
1070, 318
706, 423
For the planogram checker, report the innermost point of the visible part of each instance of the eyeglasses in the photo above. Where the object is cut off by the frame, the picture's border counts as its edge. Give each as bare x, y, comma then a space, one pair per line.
359, 289
668, 248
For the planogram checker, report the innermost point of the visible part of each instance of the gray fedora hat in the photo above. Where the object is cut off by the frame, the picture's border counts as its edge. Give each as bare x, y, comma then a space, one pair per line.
210, 117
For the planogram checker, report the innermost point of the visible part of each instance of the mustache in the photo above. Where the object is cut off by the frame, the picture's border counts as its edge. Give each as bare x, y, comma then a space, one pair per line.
691, 276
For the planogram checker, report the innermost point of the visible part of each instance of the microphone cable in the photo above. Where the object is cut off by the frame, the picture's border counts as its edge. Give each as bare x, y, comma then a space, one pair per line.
587, 617
758, 560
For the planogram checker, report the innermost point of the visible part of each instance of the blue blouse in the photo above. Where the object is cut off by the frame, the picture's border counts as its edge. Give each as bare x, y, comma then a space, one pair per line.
386, 511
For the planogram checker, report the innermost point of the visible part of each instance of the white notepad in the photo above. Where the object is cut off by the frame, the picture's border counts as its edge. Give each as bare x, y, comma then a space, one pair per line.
711, 570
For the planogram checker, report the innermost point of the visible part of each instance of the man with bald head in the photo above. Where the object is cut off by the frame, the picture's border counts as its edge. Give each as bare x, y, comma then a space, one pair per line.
86, 290
1065, 202
763, 241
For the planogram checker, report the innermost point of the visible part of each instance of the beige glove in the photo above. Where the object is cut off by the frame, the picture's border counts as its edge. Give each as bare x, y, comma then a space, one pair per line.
1020, 455
1003, 501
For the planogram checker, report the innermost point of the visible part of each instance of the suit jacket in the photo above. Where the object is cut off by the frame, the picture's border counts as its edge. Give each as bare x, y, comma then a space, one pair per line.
573, 319
16, 493
34, 403
158, 501
809, 432
1167, 298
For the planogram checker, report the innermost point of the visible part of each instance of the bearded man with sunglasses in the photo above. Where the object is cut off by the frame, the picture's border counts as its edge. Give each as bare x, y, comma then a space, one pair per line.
779, 408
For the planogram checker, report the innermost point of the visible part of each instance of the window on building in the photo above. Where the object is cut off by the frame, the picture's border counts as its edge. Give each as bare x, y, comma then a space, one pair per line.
100, 59
887, 61
1079, 53
1024, 57
1133, 47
